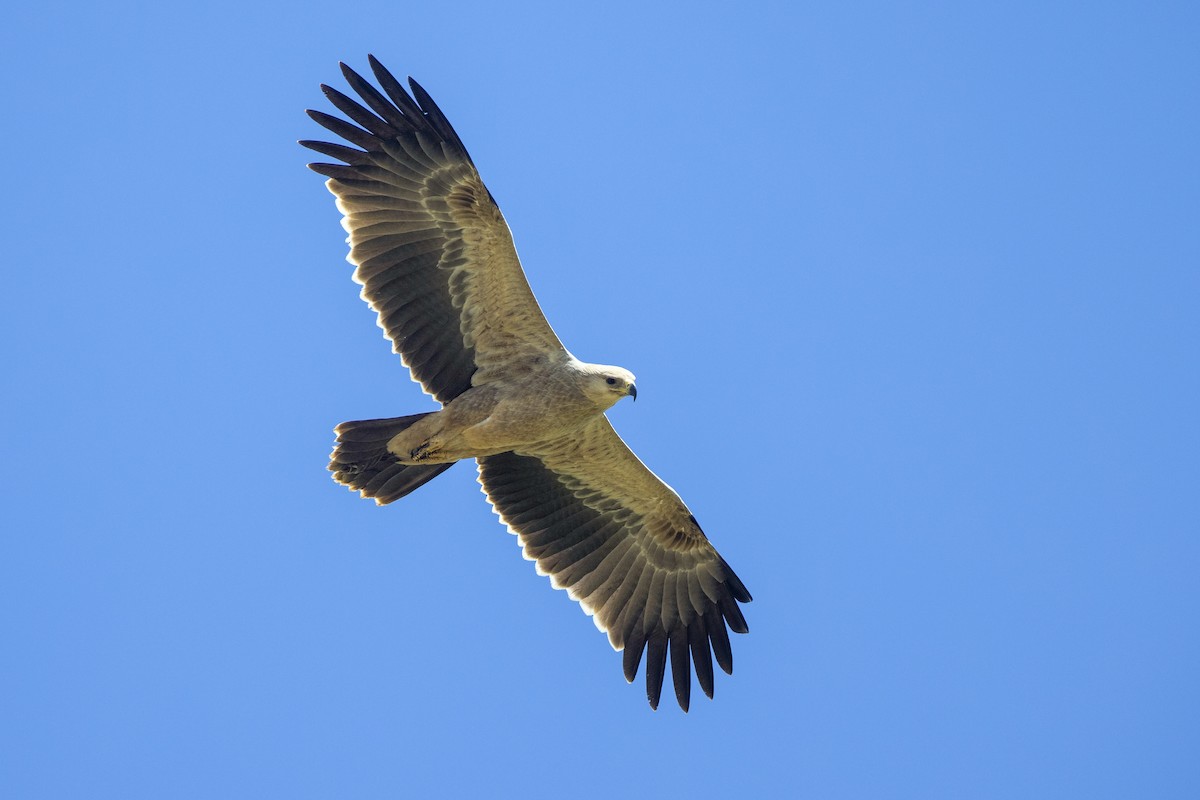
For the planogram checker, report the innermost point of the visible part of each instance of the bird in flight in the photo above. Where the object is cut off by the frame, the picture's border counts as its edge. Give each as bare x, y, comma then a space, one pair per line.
437, 264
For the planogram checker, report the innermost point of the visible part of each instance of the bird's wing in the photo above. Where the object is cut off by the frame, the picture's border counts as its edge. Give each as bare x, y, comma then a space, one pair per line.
622, 543
434, 254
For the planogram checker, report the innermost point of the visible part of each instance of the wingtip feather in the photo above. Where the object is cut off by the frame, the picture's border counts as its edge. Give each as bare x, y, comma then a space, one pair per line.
681, 672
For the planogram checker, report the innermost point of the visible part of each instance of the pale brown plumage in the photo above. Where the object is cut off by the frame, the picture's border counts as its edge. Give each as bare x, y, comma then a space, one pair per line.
437, 263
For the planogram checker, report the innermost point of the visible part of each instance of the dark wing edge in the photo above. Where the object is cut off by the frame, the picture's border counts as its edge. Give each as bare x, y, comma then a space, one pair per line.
651, 587
404, 244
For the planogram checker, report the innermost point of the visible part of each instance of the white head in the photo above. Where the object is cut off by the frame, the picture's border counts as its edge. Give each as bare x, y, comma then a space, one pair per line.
605, 385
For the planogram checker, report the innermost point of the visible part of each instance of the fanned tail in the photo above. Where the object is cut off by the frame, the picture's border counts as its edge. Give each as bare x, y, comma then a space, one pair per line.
361, 460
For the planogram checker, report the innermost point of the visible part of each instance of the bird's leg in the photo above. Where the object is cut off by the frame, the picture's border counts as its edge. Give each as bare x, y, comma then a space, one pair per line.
422, 451
422, 448
420, 444
439, 437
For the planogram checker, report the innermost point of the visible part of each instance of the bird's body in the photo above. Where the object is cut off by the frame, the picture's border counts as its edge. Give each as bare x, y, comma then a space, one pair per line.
437, 264
552, 401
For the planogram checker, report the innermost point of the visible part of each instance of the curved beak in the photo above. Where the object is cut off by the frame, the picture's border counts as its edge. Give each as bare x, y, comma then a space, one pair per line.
632, 392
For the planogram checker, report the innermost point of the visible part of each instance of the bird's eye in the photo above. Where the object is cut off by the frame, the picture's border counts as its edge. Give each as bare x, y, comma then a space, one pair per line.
611, 381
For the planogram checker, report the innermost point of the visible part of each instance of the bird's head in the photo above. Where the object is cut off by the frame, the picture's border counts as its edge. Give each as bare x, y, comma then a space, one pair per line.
606, 385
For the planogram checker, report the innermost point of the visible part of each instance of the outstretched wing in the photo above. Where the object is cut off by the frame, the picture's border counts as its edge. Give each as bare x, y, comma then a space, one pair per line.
623, 544
434, 254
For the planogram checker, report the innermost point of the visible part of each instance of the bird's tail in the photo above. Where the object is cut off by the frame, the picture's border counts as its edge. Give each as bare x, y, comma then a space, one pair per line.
361, 460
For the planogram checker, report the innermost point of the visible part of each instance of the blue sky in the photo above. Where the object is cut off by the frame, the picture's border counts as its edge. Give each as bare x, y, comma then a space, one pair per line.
912, 295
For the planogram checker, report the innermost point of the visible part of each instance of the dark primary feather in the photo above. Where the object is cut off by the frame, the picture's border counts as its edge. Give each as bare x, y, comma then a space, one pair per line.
338, 151
378, 103
343, 129
365, 119
399, 97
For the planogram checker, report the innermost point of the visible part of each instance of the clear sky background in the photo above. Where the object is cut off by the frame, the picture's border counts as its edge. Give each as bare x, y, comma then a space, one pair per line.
913, 298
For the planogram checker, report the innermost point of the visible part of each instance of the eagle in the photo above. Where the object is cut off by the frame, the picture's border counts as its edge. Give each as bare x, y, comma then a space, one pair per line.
437, 264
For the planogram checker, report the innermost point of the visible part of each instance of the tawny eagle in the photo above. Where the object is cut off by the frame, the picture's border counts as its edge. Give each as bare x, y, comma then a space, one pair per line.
437, 264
